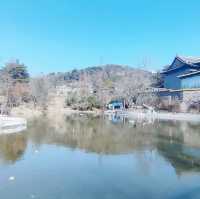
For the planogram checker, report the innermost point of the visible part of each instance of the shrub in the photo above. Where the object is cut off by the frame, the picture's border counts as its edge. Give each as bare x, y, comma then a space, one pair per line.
93, 102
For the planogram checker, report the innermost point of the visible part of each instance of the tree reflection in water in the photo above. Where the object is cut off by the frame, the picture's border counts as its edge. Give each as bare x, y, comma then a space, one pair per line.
177, 142
12, 147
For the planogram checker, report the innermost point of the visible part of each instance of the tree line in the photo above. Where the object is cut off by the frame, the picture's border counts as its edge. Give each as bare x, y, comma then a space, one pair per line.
86, 88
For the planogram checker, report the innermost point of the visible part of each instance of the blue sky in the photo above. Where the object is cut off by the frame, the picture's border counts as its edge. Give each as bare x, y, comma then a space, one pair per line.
58, 35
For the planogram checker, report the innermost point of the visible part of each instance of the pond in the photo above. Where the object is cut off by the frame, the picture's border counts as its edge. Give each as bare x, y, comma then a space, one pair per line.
97, 158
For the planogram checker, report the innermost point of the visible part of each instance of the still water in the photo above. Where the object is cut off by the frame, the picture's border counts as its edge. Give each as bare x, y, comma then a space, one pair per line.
98, 158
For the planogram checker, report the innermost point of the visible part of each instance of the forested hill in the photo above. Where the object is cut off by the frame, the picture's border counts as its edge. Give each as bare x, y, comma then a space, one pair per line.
111, 72
93, 85
104, 82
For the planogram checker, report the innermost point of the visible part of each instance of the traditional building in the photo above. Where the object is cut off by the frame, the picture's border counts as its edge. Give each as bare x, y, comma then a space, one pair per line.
182, 80
190, 80
183, 73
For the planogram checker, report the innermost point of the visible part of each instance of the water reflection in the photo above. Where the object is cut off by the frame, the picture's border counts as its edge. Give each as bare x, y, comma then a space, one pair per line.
182, 158
12, 147
178, 143
91, 134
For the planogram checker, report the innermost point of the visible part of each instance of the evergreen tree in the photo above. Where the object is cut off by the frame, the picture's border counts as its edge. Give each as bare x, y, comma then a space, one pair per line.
17, 72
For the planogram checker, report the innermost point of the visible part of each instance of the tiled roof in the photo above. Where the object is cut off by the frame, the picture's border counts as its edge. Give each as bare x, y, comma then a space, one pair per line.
189, 60
193, 62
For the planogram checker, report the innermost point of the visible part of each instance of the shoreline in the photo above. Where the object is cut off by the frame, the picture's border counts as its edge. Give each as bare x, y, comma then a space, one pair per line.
18, 120
29, 114
139, 115
189, 117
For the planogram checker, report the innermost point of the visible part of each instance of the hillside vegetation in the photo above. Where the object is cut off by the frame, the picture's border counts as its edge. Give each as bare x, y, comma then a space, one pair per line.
80, 89
100, 84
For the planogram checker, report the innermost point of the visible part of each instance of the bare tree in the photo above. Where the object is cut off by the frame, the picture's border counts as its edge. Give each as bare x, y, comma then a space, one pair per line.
39, 91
